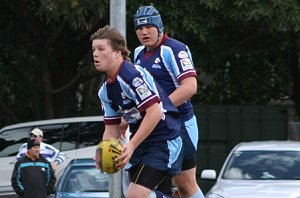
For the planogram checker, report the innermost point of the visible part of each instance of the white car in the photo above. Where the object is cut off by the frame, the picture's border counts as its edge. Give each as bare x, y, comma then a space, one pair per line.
261, 169
76, 137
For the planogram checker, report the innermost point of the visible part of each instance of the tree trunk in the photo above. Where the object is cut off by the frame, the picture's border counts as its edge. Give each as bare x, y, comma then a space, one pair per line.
47, 92
294, 65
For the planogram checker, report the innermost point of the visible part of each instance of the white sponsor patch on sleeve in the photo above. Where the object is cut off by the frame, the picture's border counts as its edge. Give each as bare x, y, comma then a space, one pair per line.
186, 64
143, 91
182, 54
137, 82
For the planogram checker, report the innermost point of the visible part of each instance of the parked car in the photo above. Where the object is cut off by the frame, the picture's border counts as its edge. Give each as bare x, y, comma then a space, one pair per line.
75, 137
82, 179
261, 169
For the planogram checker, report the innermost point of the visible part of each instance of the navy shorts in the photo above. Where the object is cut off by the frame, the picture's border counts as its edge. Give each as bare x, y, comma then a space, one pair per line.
153, 161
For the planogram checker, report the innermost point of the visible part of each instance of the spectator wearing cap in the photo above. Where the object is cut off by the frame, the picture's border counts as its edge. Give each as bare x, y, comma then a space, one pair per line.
33, 175
53, 155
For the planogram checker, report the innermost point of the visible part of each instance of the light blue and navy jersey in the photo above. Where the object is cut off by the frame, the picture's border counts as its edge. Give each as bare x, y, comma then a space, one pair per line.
129, 94
169, 64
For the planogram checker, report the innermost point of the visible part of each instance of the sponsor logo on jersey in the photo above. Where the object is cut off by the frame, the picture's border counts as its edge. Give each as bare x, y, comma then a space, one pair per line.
182, 54
125, 99
142, 21
157, 60
186, 64
156, 66
131, 115
137, 82
143, 91
43, 169
123, 95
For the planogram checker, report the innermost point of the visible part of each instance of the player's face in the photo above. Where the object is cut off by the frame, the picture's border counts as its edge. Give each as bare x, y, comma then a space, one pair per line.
148, 36
104, 56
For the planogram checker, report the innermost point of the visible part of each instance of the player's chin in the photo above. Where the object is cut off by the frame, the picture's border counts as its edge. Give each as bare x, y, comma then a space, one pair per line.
147, 42
98, 68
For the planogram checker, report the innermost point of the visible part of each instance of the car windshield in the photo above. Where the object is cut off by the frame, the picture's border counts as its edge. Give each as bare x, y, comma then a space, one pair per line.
86, 179
263, 165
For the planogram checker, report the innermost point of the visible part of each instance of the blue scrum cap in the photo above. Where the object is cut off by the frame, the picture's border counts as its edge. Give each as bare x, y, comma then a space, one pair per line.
148, 15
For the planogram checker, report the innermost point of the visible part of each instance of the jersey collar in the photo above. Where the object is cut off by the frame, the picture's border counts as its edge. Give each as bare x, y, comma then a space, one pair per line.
148, 53
111, 79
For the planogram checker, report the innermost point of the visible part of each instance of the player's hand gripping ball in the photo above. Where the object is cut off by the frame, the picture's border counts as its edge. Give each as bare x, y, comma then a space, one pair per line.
109, 150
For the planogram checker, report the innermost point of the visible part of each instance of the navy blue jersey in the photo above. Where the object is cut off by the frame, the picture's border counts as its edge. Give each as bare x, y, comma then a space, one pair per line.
132, 91
169, 64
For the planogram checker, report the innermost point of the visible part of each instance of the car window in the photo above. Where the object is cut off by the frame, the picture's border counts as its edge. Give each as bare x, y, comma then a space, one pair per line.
53, 135
65, 136
263, 165
11, 140
91, 133
86, 179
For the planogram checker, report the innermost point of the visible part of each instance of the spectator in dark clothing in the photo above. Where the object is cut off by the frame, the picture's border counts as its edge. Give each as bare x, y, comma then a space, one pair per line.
33, 176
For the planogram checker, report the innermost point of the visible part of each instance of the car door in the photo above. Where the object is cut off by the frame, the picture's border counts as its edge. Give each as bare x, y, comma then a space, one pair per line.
10, 142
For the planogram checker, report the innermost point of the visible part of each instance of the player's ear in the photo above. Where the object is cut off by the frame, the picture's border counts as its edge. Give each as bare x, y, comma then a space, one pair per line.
117, 53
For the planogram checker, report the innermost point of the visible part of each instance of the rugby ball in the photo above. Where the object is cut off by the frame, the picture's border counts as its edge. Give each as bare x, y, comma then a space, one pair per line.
109, 150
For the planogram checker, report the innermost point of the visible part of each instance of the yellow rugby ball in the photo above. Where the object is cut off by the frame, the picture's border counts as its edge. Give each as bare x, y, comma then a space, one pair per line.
109, 150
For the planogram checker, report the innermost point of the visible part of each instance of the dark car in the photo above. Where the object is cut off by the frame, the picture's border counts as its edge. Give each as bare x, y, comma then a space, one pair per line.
82, 179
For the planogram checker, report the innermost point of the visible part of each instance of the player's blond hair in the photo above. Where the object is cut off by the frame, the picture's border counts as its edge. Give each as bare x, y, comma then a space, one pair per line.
116, 39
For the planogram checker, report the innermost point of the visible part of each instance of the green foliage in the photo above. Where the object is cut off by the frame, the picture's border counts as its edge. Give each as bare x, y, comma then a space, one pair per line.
245, 51
277, 15
76, 13
240, 48
44, 45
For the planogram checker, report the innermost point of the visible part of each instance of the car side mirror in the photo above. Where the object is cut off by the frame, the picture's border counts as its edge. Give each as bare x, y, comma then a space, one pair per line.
209, 174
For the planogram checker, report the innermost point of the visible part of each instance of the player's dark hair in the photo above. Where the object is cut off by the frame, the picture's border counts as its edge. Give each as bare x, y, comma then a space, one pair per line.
115, 38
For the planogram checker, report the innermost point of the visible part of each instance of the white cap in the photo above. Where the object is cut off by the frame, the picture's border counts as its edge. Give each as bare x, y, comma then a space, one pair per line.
37, 132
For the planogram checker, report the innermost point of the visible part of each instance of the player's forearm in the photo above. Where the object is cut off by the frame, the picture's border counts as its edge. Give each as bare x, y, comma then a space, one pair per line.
111, 131
152, 117
182, 94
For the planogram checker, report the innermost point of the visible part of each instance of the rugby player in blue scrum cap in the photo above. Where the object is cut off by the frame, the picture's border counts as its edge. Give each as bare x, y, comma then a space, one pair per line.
170, 63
